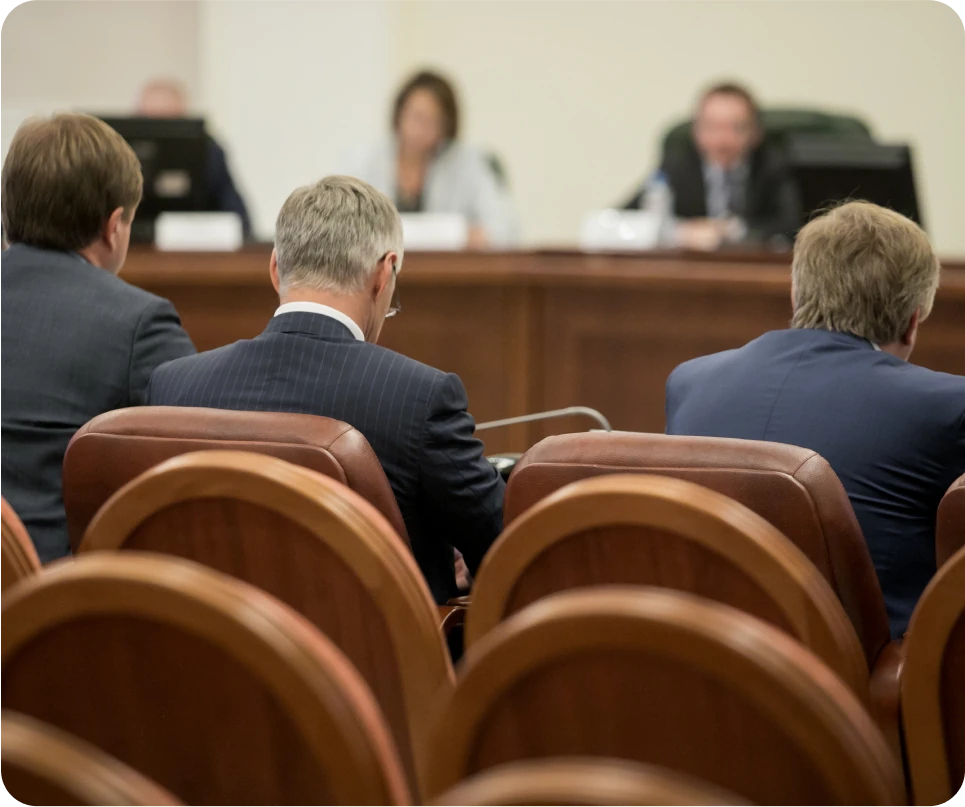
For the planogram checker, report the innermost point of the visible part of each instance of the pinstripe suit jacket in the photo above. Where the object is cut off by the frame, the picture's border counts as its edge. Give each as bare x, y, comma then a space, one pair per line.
414, 417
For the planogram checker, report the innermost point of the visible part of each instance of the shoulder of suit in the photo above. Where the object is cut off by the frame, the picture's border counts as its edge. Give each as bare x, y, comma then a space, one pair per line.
62, 272
394, 362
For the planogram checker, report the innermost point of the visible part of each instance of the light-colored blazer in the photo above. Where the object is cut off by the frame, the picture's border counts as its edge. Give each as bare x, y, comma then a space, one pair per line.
459, 180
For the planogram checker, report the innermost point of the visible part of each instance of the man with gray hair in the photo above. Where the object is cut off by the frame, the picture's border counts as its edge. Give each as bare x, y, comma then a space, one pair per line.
838, 382
338, 251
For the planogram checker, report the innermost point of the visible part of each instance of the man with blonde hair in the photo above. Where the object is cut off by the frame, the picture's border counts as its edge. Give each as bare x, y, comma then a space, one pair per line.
838, 381
338, 251
77, 340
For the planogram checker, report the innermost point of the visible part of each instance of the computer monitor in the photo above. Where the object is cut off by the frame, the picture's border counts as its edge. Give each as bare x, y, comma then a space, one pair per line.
830, 170
173, 154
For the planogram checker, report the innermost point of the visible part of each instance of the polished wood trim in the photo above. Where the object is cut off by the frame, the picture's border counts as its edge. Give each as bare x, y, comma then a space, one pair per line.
333, 514
40, 760
18, 555
763, 667
323, 695
583, 780
938, 612
737, 535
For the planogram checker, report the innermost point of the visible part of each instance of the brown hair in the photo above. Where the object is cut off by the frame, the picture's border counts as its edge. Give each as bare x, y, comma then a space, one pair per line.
62, 179
864, 270
444, 95
737, 90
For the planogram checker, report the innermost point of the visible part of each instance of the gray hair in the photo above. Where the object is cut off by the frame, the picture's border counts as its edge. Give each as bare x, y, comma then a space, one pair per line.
330, 235
864, 270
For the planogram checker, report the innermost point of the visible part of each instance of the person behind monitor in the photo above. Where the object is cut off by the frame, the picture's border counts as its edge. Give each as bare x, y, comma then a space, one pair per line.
424, 167
338, 251
77, 340
162, 98
863, 279
729, 185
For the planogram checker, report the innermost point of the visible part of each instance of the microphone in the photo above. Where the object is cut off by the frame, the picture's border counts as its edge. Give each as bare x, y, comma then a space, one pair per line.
586, 411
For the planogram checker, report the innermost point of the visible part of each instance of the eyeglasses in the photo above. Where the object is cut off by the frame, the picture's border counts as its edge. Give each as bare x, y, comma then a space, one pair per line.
395, 304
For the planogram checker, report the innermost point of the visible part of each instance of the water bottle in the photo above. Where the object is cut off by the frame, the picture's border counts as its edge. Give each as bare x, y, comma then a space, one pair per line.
658, 201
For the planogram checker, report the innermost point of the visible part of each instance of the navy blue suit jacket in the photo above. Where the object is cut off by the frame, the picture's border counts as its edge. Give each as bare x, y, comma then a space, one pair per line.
892, 431
413, 416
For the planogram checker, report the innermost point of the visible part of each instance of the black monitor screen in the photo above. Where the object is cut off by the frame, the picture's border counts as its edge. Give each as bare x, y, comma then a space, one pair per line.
173, 154
829, 171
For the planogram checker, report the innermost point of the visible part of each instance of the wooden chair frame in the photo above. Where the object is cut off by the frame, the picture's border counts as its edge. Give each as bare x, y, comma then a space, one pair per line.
74, 766
710, 519
940, 608
764, 665
325, 697
20, 559
338, 517
583, 780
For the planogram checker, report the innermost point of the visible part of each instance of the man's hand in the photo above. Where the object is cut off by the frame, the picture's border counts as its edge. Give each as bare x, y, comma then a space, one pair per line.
463, 580
702, 234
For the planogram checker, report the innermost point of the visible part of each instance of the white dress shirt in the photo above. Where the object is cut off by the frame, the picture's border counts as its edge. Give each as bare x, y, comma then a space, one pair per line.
325, 311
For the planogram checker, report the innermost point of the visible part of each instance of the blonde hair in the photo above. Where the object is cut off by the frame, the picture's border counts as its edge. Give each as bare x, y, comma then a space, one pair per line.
864, 270
331, 235
62, 179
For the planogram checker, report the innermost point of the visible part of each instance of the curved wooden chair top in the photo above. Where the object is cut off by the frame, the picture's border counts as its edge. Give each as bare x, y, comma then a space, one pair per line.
933, 687
582, 780
669, 679
309, 541
215, 690
950, 522
660, 531
793, 488
43, 765
18, 557
115, 447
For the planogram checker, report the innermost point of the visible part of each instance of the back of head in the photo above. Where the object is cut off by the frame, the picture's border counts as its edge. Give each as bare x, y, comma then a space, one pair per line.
162, 98
863, 270
331, 235
63, 178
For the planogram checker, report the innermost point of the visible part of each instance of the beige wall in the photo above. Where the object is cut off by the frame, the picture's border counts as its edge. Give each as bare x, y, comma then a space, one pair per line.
575, 95
572, 95
95, 53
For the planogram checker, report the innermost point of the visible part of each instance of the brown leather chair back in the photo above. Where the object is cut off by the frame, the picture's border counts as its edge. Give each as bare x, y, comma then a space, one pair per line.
950, 523
213, 689
793, 488
113, 448
18, 557
933, 687
635, 529
312, 543
43, 765
669, 679
583, 780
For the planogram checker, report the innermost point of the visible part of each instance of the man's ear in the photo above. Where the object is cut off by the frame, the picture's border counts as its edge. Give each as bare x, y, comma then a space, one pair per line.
911, 332
109, 231
273, 270
383, 274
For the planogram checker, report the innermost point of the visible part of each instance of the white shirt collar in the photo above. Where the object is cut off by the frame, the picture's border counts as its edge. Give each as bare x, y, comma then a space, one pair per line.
325, 311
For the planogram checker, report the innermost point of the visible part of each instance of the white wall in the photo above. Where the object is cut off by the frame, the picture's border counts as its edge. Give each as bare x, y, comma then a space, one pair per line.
572, 95
92, 54
575, 95
291, 85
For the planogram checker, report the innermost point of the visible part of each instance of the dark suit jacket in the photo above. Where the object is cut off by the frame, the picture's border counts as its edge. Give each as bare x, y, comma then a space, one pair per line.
772, 201
223, 196
77, 341
413, 416
892, 431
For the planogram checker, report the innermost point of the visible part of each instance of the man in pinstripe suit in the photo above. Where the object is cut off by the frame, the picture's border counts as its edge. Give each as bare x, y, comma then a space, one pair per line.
338, 249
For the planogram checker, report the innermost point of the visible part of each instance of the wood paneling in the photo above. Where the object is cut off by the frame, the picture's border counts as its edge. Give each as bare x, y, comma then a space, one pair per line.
528, 331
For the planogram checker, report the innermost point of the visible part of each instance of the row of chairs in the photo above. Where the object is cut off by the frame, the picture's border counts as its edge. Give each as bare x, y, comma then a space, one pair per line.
541, 471
222, 694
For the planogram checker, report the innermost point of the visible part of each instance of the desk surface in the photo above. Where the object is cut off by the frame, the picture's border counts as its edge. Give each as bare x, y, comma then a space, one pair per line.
545, 329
